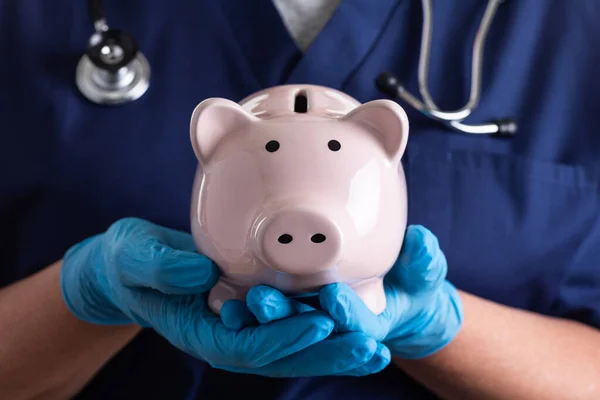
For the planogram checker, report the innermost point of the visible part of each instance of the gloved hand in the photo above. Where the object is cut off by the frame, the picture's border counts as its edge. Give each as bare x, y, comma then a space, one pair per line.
140, 272
337, 355
423, 311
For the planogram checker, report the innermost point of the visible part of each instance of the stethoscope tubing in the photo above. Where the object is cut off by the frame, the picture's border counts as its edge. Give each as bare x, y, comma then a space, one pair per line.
386, 82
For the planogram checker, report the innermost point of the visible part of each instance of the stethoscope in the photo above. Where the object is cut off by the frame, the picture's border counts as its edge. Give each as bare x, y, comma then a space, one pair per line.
389, 84
114, 71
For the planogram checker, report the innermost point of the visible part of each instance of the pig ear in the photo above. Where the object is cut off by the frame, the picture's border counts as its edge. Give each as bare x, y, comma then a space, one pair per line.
211, 120
388, 121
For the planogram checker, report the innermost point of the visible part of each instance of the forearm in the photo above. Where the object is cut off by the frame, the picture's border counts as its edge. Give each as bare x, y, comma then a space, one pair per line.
502, 353
47, 352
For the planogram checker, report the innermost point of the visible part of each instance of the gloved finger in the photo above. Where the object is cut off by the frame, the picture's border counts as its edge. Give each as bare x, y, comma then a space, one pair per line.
236, 315
152, 264
350, 312
266, 343
335, 355
421, 266
377, 363
144, 258
188, 324
269, 304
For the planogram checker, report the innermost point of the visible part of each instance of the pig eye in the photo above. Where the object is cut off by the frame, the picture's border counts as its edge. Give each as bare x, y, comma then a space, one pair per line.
272, 146
334, 145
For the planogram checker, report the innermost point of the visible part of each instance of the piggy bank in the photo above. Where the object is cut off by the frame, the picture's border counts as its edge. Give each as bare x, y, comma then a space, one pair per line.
299, 186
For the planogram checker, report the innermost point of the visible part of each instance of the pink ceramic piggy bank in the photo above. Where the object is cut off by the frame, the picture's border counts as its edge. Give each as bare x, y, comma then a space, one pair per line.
299, 186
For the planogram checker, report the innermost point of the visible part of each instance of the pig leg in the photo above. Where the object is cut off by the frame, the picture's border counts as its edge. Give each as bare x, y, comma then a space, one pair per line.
372, 294
224, 291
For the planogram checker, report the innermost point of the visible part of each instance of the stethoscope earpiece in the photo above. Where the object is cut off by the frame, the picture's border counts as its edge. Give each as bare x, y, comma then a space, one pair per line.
388, 84
507, 128
112, 70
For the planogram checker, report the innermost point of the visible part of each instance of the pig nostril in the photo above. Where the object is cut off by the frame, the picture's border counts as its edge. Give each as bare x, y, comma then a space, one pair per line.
285, 238
318, 238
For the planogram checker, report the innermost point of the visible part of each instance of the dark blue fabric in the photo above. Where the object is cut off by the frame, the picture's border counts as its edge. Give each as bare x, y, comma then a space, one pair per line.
518, 219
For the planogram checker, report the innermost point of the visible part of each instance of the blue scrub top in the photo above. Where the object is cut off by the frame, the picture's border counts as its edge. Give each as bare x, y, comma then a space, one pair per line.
519, 219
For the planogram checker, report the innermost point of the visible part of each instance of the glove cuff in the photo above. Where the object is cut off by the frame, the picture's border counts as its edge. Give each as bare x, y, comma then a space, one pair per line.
438, 330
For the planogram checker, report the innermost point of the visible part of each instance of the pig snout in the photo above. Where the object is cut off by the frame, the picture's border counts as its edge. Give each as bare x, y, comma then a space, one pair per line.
300, 242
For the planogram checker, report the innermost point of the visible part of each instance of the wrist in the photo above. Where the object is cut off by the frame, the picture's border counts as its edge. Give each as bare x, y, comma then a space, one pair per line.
432, 330
84, 287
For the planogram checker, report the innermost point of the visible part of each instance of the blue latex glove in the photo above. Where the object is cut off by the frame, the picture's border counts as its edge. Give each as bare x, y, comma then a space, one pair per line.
423, 312
141, 272
334, 355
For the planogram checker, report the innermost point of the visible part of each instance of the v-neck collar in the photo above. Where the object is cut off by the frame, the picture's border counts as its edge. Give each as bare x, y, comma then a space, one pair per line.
335, 53
344, 43
262, 38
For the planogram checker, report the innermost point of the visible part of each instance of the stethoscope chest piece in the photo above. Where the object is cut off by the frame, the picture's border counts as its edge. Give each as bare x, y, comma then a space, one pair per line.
113, 70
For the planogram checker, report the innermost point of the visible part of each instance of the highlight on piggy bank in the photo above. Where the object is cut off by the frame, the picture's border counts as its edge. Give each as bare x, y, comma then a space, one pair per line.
297, 187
